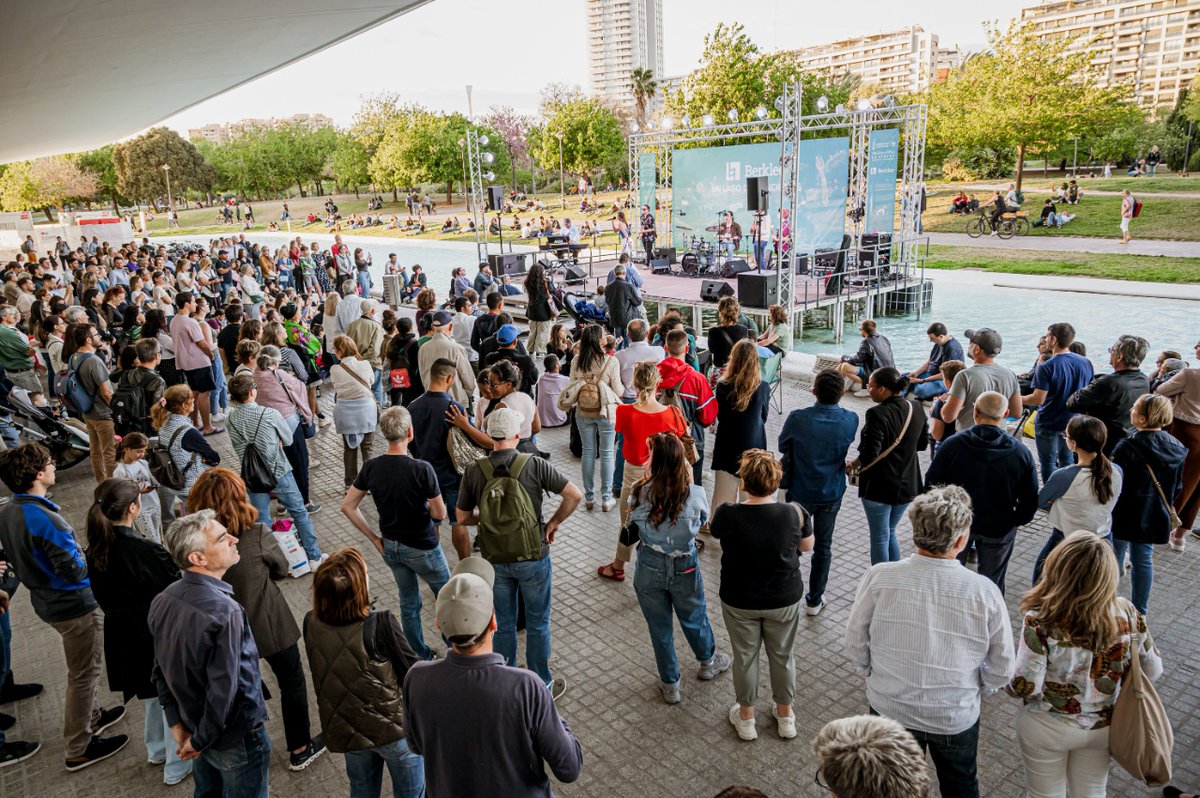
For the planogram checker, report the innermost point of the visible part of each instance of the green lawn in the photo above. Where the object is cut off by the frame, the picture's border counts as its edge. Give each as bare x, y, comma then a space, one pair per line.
1146, 268
1118, 182
1167, 219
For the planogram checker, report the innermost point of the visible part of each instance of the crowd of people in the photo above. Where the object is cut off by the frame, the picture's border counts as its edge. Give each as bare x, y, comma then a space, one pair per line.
174, 598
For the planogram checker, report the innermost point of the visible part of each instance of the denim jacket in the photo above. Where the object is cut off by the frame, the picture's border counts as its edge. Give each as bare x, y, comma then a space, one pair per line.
673, 539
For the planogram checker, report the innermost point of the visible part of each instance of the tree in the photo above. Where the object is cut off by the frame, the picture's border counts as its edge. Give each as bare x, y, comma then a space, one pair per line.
592, 138
643, 85
425, 150
300, 152
45, 183
348, 162
513, 129
1029, 93
138, 163
100, 164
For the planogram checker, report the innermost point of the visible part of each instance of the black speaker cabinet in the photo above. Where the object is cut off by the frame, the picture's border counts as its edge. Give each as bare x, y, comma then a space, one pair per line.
665, 252
512, 263
714, 290
757, 289
737, 266
756, 193
660, 266
574, 274
495, 198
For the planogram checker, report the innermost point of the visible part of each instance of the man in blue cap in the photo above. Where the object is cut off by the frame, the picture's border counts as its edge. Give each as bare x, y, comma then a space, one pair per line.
506, 337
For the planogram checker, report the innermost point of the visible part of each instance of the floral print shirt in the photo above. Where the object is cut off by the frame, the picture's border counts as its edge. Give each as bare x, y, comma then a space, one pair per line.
1080, 686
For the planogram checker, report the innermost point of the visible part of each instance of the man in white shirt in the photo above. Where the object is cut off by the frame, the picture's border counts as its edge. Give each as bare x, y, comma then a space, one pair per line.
464, 324
570, 231
931, 636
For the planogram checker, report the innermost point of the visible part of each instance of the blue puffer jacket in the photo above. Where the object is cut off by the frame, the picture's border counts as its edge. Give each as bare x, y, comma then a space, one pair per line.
40, 546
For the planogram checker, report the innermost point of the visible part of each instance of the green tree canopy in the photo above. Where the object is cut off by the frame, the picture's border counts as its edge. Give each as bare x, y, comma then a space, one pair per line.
592, 137
138, 163
1029, 93
100, 164
45, 183
348, 162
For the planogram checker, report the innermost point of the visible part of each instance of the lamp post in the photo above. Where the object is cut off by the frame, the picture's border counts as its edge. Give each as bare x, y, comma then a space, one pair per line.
463, 154
167, 171
562, 188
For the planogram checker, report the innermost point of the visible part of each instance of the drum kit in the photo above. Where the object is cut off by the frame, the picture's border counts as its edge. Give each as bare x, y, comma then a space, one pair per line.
702, 257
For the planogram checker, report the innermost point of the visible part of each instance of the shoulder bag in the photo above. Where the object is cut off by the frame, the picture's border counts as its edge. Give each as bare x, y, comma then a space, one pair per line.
853, 476
1174, 516
1140, 737
310, 427
255, 472
689, 443
551, 302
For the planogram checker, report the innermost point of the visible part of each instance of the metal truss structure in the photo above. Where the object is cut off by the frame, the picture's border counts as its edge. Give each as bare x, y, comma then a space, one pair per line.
476, 199
788, 129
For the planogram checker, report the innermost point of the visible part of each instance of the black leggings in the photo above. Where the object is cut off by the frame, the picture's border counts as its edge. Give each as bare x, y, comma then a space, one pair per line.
293, 695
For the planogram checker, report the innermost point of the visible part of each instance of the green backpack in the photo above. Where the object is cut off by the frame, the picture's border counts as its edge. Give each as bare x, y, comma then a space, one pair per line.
508, 526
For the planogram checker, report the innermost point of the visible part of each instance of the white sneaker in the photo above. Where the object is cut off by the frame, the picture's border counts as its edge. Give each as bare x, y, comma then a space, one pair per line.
607, 504
786, 726
862, 392
813, 611
746, 729
314, 564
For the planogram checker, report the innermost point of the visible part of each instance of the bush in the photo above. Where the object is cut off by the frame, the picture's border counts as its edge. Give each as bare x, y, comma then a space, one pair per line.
977, 163
1194, 161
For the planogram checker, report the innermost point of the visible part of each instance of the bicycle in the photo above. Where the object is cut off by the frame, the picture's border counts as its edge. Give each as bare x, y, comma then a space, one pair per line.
1009, 225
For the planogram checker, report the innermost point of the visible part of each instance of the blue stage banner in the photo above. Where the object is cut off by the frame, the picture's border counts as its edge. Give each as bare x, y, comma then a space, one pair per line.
824, 175
709, 181
647, 177
882, 158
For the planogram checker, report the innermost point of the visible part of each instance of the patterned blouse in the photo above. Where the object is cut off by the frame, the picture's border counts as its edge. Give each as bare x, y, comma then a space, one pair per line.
1080, 686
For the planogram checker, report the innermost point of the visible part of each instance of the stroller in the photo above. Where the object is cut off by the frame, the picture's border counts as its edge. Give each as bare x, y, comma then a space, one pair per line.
583, 311
67, 440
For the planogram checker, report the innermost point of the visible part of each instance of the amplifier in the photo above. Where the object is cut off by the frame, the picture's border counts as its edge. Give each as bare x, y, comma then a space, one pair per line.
714, 290
757, 290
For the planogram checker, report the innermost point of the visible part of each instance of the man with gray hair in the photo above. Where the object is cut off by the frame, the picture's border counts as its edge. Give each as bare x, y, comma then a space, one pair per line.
623, 300
349, 309
870, 755
206, 666
998, 473
1109, 397
367, 334
408, 500
931, 636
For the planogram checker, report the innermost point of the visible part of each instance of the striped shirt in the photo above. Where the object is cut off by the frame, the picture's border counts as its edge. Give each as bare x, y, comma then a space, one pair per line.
265, 429
930, 635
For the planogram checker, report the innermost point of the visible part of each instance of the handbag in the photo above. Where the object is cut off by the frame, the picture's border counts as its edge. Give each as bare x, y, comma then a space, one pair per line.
630, 534
310, 427
551, 302
255, 472
462, 449
689, 443
1174, 516
852, 475
1140, 737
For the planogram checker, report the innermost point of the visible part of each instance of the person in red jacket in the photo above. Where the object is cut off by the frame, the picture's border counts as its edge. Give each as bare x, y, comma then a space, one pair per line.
694, 394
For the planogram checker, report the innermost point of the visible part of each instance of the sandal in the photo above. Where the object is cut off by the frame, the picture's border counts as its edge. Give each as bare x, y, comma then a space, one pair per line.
213, 431
615, 574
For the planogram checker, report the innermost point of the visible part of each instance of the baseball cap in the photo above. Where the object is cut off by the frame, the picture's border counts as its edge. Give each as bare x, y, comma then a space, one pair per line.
441, 318
476, 565
506, 334
986, 339
504, 423
464, 605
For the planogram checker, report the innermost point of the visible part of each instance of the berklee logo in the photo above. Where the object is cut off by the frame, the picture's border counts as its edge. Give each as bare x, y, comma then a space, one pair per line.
733, 170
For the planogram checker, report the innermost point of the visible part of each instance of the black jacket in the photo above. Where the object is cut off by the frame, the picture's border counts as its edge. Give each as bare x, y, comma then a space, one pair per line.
996, 471
875, 352
1109, 398
1140, 516
537, 306
895, 479
622, 299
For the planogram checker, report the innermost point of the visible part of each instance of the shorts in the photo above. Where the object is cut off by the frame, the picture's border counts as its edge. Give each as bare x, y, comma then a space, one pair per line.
27, 379
863, 375
200, 380
1124, 224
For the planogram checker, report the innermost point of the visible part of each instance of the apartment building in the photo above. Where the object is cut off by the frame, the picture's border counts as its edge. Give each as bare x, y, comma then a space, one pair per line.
223, 133
623, 35
899, 61
1151, 47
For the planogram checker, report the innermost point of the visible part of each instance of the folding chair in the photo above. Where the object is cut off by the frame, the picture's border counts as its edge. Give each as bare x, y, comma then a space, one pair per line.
771, 369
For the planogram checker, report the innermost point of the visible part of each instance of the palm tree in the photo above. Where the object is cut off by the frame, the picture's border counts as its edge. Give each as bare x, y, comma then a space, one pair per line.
643, 86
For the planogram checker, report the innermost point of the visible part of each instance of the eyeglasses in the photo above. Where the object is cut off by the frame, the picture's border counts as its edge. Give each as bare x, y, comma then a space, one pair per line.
819, 781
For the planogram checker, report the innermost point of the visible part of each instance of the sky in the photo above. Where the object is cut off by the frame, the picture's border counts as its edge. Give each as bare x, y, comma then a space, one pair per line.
507, 53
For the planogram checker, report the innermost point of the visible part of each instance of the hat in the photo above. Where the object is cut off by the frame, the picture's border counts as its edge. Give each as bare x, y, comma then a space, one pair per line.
464, 605
506, 334
987, 339
441, 318
478, 566
504, 423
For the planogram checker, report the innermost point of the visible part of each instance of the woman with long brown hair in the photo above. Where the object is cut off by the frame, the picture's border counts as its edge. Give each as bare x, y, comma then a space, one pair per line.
361, 705
126, 572
253, 577
1076, 644
669, 511
743, 401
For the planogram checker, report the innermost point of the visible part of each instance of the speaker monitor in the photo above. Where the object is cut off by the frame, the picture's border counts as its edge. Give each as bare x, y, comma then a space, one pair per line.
511, 264
660, 266
756, 193
574, 274
495, 198
737, 266
757, 290
667, 253
714, 290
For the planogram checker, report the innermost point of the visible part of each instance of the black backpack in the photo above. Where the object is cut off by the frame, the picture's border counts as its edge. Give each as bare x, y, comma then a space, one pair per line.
129, 410
162, 464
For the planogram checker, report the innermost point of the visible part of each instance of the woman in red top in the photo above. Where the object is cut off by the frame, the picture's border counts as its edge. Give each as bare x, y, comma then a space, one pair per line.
637, 422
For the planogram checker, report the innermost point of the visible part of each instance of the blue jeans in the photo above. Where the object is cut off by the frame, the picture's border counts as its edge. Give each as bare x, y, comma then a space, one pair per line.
8, 432
532, 580
1052, 451
591, 431
882, 520
667, 586
1056, 537
824, 519
365, 769
618, 455
408, 563
5, 653
289, 496
236, 771
364, 283
1142, 556
760, 254
926, 390
954, 758
377, 386
160, 745
218, 397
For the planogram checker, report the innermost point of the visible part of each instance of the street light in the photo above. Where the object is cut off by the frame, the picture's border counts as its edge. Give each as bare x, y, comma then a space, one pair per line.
462, 143
167, 171
562, 189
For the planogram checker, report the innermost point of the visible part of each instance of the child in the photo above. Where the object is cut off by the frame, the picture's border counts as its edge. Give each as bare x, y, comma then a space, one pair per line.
549, 387
940, 430
131, 465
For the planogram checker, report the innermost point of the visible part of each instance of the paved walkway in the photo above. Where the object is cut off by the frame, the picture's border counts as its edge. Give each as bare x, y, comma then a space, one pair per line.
633, 744
1088, 187
1067, 243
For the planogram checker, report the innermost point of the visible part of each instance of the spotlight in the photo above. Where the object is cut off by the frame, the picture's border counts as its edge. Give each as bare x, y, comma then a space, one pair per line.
761, 112
488, 157
779, 104
840, 109
686, 121
635, 127
666, 123
489, 176
733, 115
707, 120
863, 105
483, 141
889, 101
822, 103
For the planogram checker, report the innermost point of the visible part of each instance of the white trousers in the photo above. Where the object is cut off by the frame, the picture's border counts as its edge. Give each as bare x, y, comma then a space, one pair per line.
1059, 755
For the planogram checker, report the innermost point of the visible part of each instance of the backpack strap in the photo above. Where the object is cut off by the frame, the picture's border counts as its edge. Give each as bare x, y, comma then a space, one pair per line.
485, 465
518, 463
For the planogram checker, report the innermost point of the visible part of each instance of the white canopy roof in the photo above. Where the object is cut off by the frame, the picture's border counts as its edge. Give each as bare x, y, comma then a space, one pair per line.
78, 74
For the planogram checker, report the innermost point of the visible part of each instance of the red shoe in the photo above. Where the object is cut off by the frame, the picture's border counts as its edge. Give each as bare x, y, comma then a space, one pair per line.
615, 574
